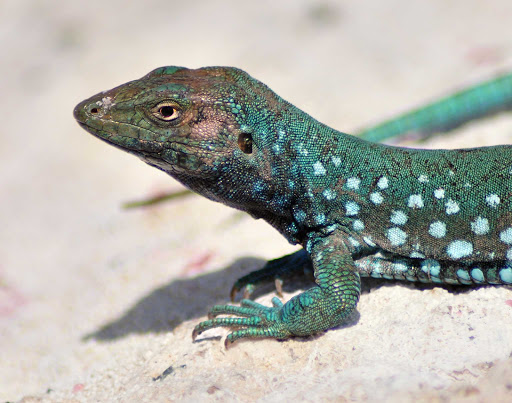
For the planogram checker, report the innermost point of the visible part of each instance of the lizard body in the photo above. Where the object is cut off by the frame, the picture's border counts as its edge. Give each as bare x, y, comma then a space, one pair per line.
358, 208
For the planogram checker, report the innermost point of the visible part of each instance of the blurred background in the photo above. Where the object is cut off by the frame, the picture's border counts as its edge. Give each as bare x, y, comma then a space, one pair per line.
71, 260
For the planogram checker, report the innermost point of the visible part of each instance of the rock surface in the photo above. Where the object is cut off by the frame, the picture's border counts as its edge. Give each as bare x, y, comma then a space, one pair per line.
98, 303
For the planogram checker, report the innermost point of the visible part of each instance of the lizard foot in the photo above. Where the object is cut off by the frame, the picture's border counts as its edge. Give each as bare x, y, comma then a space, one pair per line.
255, 320
313, 311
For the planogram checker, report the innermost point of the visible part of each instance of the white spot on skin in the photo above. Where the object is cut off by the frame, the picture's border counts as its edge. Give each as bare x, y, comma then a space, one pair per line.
383, 183
396, 236
398, 217
107, 102
336, 161
376, 266
358, 225
431, 267
376, 198
477, 275
351, 208
463, 275
415, 201
423, 178
318, 169
509, 254
329, 194
459, 249
353, 183
506, 275
369, 242
320, 219
400, 267
302, 150
452, 207
506, 236
355, 243
437, 229
480, 226
417, 255
492, 200
439, 193
332, 228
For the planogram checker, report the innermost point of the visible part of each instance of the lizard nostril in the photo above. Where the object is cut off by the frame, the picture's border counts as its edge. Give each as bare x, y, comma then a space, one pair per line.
94, 111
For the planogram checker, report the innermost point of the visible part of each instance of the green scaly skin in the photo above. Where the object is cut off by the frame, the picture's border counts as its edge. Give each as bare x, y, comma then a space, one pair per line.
445, 114
358, 208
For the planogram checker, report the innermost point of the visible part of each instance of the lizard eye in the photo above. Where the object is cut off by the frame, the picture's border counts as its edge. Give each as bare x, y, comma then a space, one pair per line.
245, 143
166, 111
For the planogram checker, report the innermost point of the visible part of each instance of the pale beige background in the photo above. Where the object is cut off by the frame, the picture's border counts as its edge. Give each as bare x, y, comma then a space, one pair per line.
96, 301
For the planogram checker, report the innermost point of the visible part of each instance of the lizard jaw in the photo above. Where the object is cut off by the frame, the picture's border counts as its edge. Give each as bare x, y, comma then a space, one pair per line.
95, 119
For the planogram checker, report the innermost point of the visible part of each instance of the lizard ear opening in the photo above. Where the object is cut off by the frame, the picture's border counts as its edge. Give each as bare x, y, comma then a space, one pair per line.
245, 143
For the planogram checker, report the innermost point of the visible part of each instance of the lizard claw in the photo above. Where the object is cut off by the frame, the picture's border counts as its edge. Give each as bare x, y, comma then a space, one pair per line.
248, 289
275, 271
253, 320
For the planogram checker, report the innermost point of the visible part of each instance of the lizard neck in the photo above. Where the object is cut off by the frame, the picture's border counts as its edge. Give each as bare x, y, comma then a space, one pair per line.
303, 166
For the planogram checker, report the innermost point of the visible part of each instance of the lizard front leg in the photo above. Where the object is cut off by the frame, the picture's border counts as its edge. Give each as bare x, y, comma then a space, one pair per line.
320, 308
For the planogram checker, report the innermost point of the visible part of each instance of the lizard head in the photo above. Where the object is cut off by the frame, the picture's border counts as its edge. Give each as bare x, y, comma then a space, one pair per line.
208, 128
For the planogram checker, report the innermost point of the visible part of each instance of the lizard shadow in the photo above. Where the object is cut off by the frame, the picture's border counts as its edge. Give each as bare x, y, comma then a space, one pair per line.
168, 306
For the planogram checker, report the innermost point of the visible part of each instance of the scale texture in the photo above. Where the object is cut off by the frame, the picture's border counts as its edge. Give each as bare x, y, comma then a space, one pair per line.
358, 208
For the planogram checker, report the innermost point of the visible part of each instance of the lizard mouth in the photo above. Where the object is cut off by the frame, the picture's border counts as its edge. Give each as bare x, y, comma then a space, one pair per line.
123, 135
80, 115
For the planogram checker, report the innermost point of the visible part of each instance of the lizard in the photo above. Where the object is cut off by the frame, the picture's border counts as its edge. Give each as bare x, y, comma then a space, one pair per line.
357, 208
444, 114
